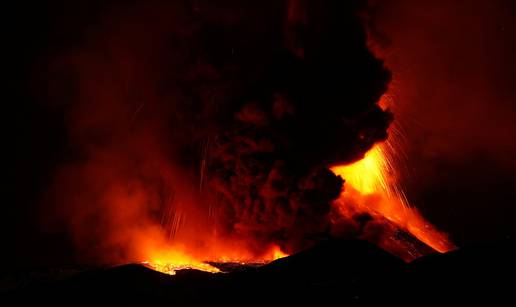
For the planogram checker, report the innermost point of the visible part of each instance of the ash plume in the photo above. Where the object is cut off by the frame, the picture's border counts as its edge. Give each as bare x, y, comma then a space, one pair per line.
313, 106
229, 113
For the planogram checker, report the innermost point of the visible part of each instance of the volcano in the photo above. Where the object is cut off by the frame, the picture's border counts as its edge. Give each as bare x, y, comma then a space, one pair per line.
217, 151
351, 272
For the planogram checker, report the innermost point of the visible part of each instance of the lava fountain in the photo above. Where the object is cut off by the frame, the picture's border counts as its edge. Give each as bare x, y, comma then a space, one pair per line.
168, 260
371, 186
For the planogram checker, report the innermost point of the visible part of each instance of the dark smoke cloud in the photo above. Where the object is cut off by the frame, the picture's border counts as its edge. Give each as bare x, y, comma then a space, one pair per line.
304, 112
230, 113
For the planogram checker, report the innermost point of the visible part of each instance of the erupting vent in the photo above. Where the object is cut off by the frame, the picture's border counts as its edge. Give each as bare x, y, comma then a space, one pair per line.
371, 187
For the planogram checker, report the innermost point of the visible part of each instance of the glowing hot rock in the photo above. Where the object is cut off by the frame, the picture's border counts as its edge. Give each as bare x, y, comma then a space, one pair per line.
169, 261
371, 187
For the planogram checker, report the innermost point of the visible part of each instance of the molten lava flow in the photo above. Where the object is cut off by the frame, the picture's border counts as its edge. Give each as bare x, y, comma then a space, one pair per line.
371, 187
169, 260
171, 266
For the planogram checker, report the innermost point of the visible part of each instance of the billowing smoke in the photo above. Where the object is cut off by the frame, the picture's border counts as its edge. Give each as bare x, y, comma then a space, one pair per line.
189, 120
313, 106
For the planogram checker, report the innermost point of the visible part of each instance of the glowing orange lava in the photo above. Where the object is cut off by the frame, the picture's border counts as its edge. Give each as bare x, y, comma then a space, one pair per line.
169, 260
371, 185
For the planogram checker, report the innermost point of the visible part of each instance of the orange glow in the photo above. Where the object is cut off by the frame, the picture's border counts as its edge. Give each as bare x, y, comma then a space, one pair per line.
170, 266
277, 253
371, 186
171, 258
367, 175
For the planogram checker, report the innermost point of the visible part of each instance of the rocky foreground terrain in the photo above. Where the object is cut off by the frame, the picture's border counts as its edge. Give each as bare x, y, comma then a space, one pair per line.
332, 273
